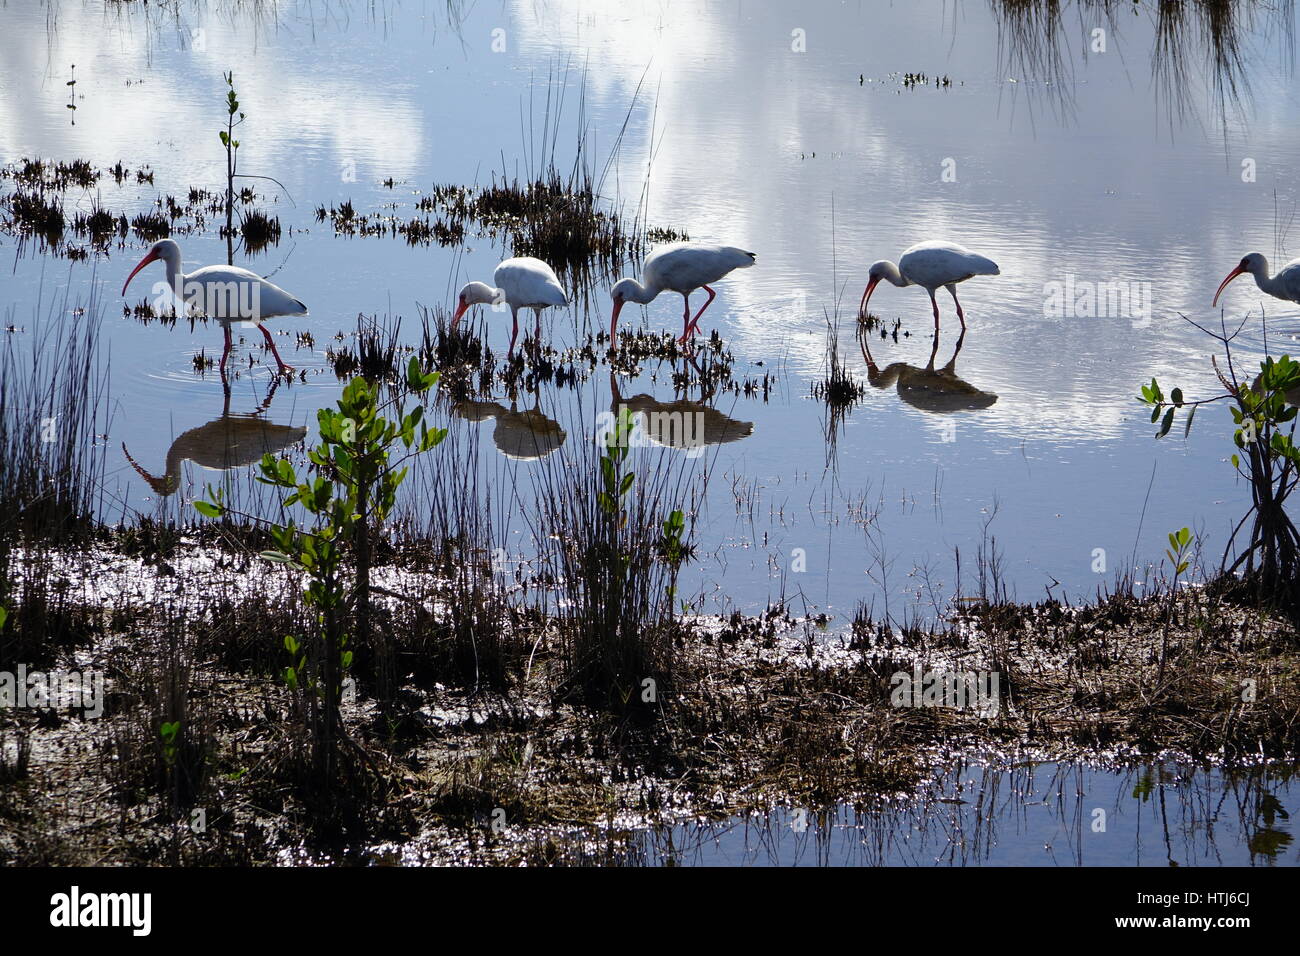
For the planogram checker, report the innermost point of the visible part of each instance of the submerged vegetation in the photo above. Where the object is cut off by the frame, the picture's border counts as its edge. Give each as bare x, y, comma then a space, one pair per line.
52, 203
557, 220
839, 390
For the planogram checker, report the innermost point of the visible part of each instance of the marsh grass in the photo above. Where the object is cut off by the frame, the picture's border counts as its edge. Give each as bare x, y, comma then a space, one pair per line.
459, 528
166, 746
839, 389
100, 225
375, 353
33, 213
51, 401
258, 230
151, 226
49, 200
615, 608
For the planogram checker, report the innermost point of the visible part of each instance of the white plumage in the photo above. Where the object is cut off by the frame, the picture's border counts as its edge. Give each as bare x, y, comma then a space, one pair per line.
931, 264
680, 267
225, 293
1284, 285
521, 283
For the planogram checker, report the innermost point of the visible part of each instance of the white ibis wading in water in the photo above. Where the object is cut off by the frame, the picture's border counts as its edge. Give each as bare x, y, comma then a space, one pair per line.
1284, 285
680, 267
224, 293
522, 283
931, 265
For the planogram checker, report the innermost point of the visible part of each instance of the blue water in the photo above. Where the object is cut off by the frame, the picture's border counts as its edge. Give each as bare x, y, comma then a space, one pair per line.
1033, 815
820, 158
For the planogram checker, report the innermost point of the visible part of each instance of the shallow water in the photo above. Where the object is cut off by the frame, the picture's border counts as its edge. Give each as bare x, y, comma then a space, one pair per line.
1161, 814
821, 161
1032, 815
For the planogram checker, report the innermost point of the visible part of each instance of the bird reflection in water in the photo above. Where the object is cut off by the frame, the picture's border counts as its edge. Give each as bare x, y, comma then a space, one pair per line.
231, 441
683, 424
929, 389
526, 436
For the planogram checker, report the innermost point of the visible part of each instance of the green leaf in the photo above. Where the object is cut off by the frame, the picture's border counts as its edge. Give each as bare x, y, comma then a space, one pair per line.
208, 509
278, 556
1166, 424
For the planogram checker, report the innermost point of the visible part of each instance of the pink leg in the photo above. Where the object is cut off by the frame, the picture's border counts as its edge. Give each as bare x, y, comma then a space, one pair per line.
686, 317
695, 322
271, 344
226, 353
934, 302
538, 334
961, 316
513, 334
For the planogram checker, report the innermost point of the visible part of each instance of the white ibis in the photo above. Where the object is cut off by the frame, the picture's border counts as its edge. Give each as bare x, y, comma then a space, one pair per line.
522, 283
680, 267
224, 293
1284, 285
930, 265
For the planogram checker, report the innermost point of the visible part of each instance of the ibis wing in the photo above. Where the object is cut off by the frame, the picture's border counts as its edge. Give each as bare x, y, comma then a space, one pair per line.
229, 292
529, 282
683, 266
935, 263
1288, 278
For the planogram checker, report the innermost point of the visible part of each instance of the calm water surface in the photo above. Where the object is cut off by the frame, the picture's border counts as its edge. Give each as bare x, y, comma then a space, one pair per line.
1061, 163
795, 133
1032, 815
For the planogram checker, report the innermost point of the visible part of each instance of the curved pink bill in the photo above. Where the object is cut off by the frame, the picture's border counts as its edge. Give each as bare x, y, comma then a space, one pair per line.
866, 295
613, 323
143, 262
464, 306
1224, 284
